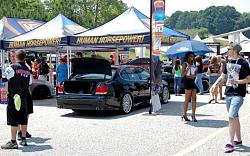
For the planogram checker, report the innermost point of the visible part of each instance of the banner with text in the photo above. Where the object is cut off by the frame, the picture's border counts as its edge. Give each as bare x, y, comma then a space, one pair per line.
35, 43
134, 39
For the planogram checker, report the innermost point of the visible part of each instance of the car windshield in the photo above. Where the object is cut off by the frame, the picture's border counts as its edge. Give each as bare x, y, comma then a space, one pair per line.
93, 76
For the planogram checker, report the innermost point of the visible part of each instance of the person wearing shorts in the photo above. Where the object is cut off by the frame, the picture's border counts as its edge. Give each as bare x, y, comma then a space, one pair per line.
189, 75
237, 72
214, 72
18, 77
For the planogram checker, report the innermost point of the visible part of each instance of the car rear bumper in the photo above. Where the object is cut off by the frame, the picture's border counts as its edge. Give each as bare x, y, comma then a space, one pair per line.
86, 102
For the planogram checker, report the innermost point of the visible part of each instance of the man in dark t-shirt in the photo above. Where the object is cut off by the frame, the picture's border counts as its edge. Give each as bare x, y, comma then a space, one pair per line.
18, 77
238, 75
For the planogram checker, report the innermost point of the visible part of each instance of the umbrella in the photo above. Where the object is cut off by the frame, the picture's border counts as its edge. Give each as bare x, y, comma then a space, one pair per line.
179, 49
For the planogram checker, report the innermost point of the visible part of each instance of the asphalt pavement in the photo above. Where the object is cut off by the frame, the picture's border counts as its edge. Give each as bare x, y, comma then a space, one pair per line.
61, 132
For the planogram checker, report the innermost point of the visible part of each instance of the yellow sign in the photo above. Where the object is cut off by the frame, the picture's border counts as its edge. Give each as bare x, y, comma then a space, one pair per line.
111, 39
34, 43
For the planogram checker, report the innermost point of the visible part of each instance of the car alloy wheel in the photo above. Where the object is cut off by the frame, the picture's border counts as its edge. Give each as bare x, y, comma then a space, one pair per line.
127, 103
165, 95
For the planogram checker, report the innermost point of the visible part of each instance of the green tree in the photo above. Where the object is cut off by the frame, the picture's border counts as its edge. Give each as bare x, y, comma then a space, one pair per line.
203, 33
171, 21
187, 20
88, 13
243, 22
219, 19
33, 9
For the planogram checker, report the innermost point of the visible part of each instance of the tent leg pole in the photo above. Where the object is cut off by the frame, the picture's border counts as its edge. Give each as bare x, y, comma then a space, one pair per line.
57, 63
50, 72
70, 52
116, 56
68, 59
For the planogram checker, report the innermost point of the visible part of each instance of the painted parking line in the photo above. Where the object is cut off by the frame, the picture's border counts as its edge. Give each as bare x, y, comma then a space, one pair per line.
205, 140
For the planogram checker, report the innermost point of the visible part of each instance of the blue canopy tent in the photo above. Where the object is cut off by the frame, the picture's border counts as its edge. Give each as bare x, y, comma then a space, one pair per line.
51, 36
125, 30
11, 27
129, 29
173, 33
47, 36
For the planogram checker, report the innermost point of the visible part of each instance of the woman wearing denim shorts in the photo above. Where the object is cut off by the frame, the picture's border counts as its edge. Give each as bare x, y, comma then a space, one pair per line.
238, 75
214, 71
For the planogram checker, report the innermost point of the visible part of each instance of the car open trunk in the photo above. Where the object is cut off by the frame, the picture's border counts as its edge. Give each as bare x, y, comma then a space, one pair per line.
81, 87
87, 74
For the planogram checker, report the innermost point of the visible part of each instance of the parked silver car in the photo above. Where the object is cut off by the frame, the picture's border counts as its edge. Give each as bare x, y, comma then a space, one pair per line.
41, 89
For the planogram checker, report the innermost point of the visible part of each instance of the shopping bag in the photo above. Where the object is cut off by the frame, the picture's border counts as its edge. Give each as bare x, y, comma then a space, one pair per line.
156, 104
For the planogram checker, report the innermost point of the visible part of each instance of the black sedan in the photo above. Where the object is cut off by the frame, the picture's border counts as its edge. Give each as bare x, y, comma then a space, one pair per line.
169, 77
95, 85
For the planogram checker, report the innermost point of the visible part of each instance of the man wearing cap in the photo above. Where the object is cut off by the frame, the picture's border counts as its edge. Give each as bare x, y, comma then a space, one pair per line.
238, 75
18, 77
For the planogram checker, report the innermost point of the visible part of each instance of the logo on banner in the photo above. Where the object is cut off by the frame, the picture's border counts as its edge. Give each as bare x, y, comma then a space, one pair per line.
29, 25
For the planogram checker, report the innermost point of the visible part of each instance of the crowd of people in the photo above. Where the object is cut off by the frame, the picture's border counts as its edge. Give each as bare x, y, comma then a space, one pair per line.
233, 72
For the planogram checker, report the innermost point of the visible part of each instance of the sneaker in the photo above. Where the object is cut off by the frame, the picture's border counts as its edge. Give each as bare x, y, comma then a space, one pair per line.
222, 98
28, 135
19, 135
23, 142
238, 143
229, 148
10, 145
200, 93
211, 101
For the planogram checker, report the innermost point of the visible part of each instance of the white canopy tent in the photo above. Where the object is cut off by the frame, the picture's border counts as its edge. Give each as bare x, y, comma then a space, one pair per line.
51, 36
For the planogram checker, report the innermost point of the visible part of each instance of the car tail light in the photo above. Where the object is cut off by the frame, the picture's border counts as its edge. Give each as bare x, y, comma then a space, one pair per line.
60, 89
101, 89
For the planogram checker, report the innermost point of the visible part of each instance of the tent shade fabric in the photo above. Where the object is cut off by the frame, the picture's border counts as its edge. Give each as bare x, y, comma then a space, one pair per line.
126, 23
173, 33
11, 27
53, 33
128, 29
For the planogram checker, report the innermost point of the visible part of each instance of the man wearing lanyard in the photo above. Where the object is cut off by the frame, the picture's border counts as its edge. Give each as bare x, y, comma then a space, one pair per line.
238, 75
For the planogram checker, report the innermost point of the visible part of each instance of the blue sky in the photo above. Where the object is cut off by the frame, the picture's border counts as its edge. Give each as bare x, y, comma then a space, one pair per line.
187, 5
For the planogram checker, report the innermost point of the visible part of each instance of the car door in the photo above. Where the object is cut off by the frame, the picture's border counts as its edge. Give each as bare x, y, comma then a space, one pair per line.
134, 83
144, 76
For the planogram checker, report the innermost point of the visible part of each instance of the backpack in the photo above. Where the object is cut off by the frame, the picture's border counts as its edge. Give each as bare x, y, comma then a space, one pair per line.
43, 69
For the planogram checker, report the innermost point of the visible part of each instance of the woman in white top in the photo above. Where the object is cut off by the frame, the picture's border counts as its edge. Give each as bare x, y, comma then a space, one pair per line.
189, 75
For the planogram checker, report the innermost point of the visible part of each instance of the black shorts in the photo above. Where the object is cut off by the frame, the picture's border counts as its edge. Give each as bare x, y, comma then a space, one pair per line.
29, 104
189, 83
14, 117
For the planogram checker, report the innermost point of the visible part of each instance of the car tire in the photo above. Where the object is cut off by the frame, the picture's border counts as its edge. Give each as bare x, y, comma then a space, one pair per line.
205, 84
77, 110
126, 103
40, 92
165, 95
